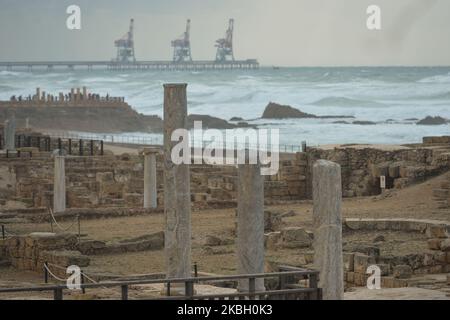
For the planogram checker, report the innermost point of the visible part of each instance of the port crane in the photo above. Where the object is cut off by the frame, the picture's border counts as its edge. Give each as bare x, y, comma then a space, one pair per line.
125, 46
182, 45
225, 45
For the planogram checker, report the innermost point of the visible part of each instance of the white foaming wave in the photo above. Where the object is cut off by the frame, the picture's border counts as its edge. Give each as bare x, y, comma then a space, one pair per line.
348, 102
104, 79
11, 73
443, 78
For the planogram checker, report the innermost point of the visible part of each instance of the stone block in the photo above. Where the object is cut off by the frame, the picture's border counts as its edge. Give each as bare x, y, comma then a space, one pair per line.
272, 240
212, 241
349, 261
402, 271
294, 237
385, 268
434, 244
394, 171
362, 262
350, 277
436, 231
445, 245
440, 257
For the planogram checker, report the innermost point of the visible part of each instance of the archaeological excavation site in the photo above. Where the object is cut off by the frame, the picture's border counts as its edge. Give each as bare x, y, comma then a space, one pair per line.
85, 219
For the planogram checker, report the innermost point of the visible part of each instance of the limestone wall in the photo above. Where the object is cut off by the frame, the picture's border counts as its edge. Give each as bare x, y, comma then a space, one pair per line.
117, 181
30, 252
362, 168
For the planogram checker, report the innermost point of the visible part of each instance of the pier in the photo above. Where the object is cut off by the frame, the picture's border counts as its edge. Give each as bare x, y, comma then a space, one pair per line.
138, 65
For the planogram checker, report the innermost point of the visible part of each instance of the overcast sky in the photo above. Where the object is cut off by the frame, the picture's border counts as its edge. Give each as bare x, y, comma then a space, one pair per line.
277, 32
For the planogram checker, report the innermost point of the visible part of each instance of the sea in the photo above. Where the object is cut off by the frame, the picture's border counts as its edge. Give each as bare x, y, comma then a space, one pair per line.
394, 98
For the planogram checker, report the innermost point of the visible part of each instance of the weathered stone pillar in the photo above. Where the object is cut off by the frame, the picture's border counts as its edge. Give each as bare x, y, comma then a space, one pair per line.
327, 198
38, 94
84, 93
150, 185
59, 185
10, 134
250, 224
177, 197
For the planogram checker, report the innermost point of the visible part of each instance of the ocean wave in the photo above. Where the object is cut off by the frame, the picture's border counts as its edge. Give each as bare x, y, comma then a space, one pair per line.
10, 73
441, 78
6, 88
103, 79
346, 102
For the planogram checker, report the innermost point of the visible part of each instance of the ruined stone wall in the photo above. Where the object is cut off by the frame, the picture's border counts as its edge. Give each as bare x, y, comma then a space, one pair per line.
117, 181
30, 252
362, 168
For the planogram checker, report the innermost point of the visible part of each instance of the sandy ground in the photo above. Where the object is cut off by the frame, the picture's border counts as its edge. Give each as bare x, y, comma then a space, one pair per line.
414, 202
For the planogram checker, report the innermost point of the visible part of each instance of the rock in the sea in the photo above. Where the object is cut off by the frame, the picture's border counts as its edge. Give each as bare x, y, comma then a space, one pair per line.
209, 122
236, 119
364, 123
340, 122
278, 111
432, 121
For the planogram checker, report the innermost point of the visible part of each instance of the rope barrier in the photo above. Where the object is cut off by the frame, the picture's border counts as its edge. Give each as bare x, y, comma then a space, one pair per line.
81, 271
57, 224
53, 275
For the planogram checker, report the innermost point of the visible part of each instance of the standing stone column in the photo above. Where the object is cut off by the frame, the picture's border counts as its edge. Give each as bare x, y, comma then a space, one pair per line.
327, 198
10, 134
84, 93
250, 224
59, 185
177, 195
150, 183
38, 94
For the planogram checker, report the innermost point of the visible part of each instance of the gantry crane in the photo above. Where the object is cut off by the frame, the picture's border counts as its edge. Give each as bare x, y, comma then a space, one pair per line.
182, 45
225, 45
125, 46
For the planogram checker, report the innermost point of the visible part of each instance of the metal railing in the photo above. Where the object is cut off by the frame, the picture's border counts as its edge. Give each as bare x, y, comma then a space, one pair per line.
288, 287
157, 140
73, 146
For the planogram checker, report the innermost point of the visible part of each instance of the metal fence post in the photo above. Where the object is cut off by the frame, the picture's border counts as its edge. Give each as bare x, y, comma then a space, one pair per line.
124, 289
189, 288
58, 294
45, 272
251, 287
